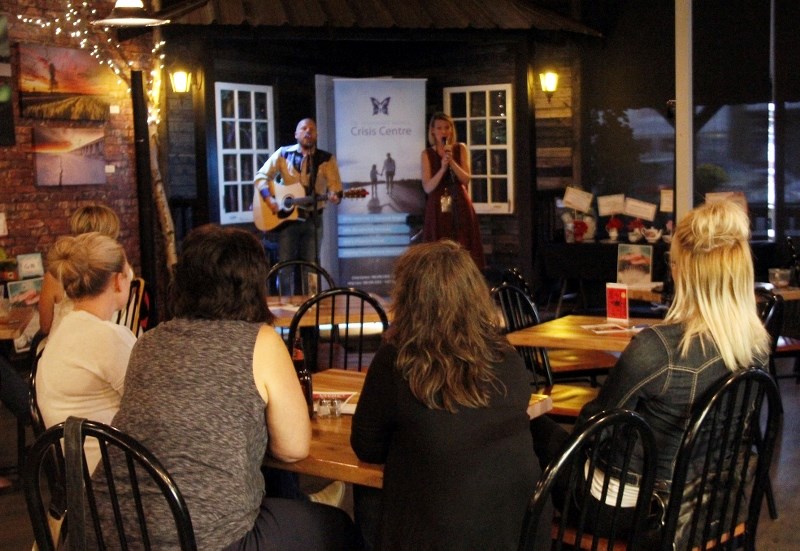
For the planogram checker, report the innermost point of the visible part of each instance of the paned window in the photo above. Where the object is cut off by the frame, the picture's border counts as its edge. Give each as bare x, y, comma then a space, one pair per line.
245, 140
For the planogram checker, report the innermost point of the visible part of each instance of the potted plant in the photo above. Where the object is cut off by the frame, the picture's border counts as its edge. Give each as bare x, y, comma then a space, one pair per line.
613, 226
579, 229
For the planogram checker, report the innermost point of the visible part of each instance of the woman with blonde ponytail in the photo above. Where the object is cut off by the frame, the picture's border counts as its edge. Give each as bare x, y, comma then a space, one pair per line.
711, 330
82, 369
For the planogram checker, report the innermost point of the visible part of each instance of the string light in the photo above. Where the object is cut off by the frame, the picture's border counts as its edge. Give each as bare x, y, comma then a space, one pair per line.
103, 47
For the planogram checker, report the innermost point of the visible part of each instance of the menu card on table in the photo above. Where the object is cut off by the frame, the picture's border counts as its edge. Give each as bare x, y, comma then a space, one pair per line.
617, 302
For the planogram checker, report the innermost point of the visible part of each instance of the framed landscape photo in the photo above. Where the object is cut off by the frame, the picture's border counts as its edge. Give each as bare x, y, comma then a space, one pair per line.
63, 83
634, 264
69, 156
30, 265
25, 292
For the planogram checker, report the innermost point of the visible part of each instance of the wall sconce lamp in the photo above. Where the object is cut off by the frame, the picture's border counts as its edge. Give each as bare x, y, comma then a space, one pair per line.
549, 82
181, 78
130, 13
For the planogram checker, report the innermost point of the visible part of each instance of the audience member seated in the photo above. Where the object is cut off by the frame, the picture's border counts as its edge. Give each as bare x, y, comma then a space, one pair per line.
210, 391
82, 369
444, 408
53, 303
710, 330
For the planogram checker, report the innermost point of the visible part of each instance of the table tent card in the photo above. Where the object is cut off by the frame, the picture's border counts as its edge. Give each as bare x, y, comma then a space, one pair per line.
617, 302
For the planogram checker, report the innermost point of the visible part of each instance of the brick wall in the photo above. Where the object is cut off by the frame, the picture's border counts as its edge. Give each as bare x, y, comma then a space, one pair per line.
36, 215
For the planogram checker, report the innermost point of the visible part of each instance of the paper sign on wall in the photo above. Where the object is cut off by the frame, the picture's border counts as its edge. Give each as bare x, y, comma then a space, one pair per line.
667, 200
577, 199
609, 205
640, 209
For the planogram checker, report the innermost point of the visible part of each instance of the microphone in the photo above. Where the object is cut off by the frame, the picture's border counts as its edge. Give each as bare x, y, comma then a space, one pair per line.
449, 149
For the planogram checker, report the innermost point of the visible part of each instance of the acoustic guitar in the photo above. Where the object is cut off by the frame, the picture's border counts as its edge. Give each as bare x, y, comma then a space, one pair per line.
288, 199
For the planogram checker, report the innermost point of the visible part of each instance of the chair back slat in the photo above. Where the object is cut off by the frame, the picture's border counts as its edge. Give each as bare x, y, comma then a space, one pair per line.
722, 468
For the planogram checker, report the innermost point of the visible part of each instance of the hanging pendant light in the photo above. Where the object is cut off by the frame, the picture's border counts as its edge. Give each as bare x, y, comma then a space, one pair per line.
130, 13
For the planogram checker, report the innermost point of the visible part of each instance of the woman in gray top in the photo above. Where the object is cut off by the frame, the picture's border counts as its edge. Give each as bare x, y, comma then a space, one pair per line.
211, 391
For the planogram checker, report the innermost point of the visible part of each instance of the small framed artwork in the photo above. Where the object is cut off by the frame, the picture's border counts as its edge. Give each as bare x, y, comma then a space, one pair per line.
634, 264
30, 265
25, 292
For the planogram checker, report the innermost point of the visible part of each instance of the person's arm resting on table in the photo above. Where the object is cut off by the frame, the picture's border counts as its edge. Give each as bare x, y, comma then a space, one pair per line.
288, 425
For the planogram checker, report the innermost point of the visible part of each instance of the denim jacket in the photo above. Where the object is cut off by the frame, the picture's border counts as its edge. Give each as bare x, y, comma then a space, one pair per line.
652, 378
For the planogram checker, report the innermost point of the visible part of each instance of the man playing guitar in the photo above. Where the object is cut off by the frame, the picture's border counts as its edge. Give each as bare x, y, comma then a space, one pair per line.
317, 174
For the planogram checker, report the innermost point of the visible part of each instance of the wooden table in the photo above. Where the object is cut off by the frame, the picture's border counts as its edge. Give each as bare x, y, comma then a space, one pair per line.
331, 456
285, 312
568, 332
12, 326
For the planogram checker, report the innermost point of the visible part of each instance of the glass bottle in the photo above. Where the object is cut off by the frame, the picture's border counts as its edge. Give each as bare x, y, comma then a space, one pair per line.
299, 361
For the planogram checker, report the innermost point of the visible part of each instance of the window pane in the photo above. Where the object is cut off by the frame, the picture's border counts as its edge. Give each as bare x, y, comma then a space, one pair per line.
477, 132
461, 131
231, 200
226, 100
499, 190
477, 104
247, 197
792, 169
229, 162
478, 161
228, 135
245, 109
262, 135
479, 193
499, 131
246, 165
245, 135
498, 106
458, 105
499, 164
260, 99
261, 158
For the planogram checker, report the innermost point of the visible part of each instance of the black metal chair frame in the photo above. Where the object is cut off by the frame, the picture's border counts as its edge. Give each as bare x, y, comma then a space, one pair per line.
74, 467
348, 332
730, 416
130, 316
305, 267
620, 431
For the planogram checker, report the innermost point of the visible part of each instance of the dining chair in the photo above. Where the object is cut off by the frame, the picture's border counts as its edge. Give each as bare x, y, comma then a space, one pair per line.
513, 276
287, 276
126, 466
517, 312
130, 316
611, 456
348, 325
722, 468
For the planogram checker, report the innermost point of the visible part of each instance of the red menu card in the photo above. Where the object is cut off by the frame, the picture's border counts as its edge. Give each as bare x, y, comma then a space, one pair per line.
617, 302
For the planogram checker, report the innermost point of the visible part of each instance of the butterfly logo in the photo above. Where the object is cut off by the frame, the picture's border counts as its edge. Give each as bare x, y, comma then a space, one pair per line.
380, 106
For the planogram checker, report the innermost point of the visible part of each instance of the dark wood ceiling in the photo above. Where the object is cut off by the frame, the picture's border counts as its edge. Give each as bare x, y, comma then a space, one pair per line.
383, 14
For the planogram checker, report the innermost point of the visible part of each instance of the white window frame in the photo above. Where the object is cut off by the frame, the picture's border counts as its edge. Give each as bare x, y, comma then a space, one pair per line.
492, 177
248, 159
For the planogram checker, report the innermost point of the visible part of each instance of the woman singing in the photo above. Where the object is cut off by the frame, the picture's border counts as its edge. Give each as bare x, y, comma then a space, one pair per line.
445, 176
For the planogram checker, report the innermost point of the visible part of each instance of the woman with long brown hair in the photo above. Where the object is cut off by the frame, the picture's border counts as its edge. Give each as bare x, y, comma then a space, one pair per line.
444, 407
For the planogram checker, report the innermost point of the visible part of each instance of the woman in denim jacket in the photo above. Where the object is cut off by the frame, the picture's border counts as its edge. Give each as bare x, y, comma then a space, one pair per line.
711, 330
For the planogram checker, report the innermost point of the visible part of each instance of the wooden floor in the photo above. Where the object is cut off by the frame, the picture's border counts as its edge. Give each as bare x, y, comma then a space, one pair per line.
778, 535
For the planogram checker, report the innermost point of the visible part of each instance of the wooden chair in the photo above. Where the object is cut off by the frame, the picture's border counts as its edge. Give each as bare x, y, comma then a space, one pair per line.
611, 437
120, 470
518, 312
348, 324
130, 316
283, 278
722, 468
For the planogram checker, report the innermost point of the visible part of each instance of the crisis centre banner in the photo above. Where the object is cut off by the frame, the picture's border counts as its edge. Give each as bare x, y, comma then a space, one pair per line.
380, 134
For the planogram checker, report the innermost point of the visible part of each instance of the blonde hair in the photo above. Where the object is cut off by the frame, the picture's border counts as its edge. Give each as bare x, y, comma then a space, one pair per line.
443, 327
439, 116
85, 263
714, 296
97, 218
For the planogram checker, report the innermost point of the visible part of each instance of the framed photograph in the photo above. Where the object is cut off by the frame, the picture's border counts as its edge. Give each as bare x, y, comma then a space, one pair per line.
69, 156
63, 83
25, 292
30, 265
634, 264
